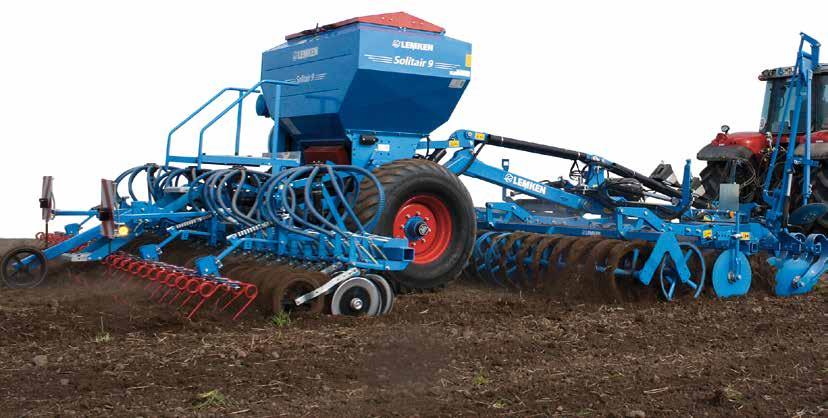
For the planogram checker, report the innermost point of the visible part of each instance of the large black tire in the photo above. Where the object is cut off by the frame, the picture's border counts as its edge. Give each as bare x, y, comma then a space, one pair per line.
412, 179
819, 194
718, 172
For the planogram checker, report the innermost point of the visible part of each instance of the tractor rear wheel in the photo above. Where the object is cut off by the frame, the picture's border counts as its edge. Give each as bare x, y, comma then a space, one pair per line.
819, 194
718, 172
428, 205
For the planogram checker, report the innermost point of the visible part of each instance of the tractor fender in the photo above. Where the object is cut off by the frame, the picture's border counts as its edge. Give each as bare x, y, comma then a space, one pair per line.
819, 150
713, 152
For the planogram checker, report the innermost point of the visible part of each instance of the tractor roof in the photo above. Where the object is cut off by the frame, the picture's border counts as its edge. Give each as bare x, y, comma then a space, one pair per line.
785, 72
401, 20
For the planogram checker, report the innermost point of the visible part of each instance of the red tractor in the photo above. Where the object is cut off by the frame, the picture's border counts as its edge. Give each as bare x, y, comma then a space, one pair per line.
744, 157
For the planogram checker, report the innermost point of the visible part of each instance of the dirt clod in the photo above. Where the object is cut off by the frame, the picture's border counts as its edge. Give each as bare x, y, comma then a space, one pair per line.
635, 413
40, 360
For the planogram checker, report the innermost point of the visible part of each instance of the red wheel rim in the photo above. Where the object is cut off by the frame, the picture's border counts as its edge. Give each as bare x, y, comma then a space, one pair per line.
433, 212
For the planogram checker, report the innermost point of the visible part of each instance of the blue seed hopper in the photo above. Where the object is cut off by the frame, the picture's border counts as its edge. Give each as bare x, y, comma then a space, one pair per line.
377, 75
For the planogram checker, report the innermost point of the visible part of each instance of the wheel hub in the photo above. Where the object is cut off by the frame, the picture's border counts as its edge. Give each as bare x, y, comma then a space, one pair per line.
416, 229
425, 221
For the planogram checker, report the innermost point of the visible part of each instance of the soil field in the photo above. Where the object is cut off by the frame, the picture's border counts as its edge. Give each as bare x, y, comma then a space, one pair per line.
95, 345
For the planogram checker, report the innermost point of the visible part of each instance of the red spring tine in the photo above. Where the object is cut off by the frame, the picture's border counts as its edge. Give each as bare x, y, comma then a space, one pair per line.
129, 268
159, 272
192, 287
250, 292
206, 290
143, 269
156, 273
170, 283
165, 276
236, 294
135, 267
150, 272
219, 298
164, 295
130, 264
181, 285
152, 276
108, 259
121, 263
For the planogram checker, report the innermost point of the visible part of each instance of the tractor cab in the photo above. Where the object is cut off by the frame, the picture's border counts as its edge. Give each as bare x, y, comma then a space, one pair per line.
774, 103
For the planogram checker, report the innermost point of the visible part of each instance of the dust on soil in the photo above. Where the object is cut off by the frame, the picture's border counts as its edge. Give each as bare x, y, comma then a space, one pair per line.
466, 350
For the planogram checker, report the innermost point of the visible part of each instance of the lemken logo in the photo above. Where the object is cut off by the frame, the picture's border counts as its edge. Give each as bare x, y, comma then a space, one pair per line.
305, 53
524, 183
412, 45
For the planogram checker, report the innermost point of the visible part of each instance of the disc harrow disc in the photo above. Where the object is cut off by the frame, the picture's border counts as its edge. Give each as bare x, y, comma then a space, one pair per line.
507, 265
731, 278
672, 286
299, 283
597, 261
789, 271
491, 265
581, 277
553, 281
524, 258
623, 262
478, 259
540, 258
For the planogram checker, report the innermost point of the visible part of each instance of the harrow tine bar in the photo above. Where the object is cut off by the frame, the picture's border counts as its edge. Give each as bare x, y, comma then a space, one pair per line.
176, 285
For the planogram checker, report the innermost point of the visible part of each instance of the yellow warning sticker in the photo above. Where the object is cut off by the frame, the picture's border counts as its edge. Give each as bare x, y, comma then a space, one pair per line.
479, 135
707, 234
454, 142
468, 60
745, 236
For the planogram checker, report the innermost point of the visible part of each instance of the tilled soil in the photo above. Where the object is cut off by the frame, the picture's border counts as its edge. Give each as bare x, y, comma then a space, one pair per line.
92, 345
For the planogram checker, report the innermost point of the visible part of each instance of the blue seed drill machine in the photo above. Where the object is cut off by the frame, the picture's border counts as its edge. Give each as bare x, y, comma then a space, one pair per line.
350, 203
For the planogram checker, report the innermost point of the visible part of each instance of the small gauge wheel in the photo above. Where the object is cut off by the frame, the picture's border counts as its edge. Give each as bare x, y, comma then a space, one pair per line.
356, 296
386, 292
24, 267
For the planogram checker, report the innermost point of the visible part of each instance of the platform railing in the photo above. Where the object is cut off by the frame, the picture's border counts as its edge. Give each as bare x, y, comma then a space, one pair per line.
202, 158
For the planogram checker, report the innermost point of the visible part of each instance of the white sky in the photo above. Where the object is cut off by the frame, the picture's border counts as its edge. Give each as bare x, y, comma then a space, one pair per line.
92, 88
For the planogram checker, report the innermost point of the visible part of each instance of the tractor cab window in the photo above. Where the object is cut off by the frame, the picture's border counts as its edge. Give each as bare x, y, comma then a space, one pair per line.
774, 103
821, 81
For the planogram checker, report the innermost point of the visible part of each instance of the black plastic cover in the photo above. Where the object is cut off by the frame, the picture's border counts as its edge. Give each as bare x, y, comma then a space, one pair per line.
724, 153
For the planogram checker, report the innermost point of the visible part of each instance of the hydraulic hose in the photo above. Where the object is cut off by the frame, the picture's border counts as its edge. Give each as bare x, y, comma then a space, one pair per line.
614, 168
